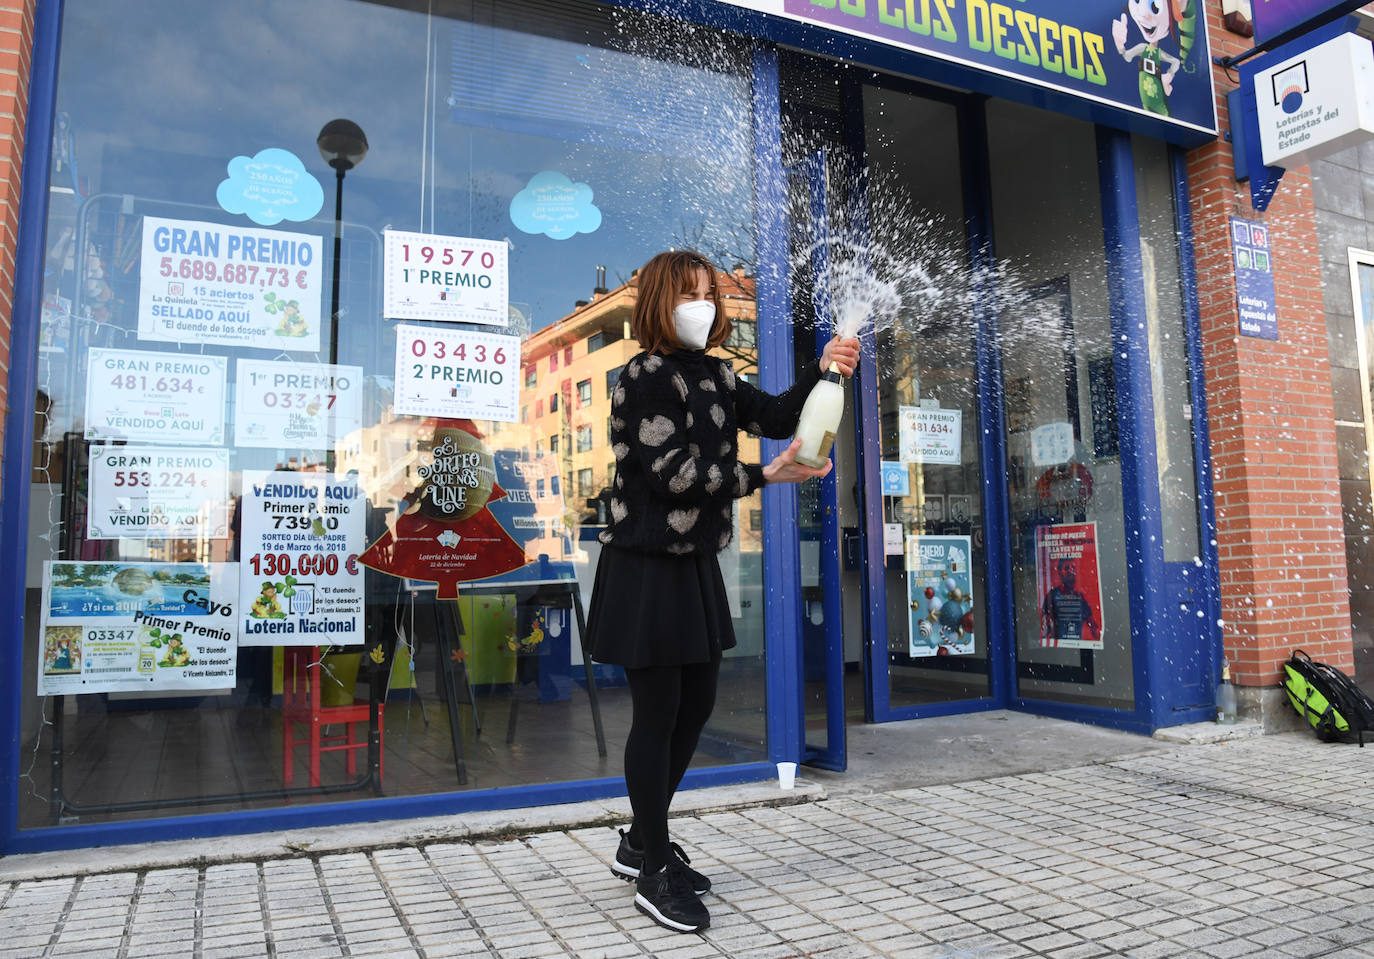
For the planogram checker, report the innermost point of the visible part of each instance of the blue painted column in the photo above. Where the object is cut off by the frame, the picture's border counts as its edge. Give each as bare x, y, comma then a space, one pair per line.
1202, 441
781, 552
868, 452
1135, 410
18, 450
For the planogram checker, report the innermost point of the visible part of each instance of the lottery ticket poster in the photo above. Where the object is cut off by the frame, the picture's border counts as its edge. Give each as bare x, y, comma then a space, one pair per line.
451, 278
301, 584
162, 398
307, 406
145, 492
123, 627
230, 285
930, 436
457, 374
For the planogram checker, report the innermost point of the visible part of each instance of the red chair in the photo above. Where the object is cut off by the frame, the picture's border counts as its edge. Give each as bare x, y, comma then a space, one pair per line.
301, 704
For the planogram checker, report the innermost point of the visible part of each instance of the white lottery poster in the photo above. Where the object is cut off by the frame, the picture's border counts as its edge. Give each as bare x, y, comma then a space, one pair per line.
120, 627
457, 374
156, 397
450, 278
296, 405
930, 436
301, 582
230, 285
146, 492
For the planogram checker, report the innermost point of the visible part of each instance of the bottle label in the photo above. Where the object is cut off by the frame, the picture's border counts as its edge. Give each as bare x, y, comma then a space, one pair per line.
827, 441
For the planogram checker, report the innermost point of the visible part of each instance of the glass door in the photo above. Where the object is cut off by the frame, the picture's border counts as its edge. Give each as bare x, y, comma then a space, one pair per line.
932, 582
1064, 465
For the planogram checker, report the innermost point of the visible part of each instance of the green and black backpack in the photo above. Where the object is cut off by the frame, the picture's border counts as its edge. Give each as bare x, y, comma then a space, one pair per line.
1327, 698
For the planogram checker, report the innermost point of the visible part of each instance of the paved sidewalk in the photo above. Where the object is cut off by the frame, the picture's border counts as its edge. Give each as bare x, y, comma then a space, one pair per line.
1260, 847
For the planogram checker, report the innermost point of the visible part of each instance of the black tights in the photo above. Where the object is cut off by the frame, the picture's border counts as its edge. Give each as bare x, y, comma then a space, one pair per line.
671, 706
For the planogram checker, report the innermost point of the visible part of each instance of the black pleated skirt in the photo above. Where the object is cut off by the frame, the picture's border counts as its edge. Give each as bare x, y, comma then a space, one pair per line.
651, 609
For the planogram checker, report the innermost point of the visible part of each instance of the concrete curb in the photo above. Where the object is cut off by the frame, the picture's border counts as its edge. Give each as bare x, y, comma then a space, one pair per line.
389, 834
1200, 733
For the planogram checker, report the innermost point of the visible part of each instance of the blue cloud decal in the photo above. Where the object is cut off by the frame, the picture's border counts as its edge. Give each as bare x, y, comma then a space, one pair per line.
555, 206
270, 187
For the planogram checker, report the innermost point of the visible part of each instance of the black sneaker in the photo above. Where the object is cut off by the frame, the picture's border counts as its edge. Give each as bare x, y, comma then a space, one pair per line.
667, 898
629, 861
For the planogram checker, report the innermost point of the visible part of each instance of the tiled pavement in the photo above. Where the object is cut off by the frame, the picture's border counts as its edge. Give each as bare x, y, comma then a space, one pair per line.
1255, 848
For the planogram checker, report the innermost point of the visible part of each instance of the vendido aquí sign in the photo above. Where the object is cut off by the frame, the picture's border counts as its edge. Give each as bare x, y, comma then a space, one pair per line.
1146, 56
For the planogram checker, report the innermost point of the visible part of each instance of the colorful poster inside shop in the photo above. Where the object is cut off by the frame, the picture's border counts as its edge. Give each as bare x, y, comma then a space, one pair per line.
229, 285
446, 532
301, 582
162, 398
308, 406
457, 374
450, 278
1069, 586
147, 492
1146, 58
930, 435
939, 589
122, 627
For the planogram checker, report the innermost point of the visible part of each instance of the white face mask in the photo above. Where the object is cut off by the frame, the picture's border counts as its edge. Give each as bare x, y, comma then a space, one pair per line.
693, 321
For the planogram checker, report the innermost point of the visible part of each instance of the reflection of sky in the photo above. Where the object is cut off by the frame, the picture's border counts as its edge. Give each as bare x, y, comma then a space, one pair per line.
200, 83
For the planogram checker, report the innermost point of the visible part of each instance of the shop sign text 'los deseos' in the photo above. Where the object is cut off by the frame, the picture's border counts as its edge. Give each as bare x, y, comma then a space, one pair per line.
1146, 58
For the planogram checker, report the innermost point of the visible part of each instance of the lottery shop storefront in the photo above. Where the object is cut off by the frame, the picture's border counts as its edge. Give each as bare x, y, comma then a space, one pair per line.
324, 306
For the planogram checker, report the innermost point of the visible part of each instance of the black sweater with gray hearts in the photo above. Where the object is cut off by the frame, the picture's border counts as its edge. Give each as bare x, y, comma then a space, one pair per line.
675, 420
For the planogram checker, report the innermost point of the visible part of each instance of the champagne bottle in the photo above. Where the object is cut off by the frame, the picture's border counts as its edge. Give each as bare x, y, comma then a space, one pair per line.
820, 419
1226, 696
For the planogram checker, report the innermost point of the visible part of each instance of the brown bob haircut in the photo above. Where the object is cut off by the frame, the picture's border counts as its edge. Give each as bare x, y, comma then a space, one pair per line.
661, 281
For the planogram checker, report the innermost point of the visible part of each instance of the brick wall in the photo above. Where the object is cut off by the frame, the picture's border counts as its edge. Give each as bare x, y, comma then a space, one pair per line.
1280, 538
16, 44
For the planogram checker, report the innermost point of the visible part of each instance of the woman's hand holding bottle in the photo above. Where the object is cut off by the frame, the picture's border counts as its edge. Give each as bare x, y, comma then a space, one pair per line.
843, 352
786, 469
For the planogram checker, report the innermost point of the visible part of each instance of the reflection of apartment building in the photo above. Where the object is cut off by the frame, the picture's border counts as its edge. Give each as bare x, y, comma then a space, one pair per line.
386, 457
571, 366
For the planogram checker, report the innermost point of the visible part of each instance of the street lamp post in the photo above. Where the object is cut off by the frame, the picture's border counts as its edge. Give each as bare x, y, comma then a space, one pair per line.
342, 145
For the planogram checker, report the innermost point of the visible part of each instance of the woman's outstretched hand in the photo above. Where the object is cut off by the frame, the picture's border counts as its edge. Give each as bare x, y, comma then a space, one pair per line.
786, 469
844, 352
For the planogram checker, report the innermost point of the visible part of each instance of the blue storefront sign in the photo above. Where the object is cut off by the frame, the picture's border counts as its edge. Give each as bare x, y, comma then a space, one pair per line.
1273, 17
1147, 58
1256, 303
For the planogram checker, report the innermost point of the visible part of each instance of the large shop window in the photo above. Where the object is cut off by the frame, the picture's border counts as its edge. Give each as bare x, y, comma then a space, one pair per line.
290, 516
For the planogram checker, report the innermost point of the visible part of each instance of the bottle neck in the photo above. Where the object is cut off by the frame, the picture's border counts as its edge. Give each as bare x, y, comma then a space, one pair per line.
833, 374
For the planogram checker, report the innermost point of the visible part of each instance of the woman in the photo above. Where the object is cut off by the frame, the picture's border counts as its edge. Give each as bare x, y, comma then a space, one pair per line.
659, 606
